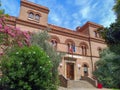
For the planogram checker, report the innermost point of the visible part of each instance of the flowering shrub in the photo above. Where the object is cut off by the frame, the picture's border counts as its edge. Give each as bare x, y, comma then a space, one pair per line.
27, 68
12, 36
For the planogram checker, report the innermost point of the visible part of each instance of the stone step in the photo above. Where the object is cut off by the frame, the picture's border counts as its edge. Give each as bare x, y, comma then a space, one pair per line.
80, 84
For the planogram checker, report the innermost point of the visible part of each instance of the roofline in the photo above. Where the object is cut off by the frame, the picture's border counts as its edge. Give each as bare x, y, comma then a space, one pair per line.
34, 6
89, 23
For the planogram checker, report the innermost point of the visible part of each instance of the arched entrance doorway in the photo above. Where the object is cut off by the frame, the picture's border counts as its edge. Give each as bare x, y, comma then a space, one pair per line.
85, 69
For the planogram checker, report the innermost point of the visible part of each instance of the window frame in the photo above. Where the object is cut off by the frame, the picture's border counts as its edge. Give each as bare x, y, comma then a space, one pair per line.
37, 19
31, 15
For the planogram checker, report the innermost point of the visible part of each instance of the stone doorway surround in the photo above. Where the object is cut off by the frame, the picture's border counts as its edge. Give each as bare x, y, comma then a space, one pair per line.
70, 71
72, 61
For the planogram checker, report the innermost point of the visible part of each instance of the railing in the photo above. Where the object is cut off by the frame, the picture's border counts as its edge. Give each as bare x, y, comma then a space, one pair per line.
63, 81
90, 80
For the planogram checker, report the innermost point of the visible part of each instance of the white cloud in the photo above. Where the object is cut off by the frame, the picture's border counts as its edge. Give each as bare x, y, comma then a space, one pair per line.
70, 13
108, 20
85, 12
107, 14
55, 19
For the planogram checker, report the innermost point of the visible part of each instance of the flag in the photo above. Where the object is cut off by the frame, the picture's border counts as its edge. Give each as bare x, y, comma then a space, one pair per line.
70, 49
73, 47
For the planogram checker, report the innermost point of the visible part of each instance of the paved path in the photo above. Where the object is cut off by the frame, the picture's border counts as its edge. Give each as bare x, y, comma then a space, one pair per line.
61, 88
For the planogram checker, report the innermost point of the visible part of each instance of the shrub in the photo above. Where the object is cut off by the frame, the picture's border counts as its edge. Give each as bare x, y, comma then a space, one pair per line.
41, 39
26, 68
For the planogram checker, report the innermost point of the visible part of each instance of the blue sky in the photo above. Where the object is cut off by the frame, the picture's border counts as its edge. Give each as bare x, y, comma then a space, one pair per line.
70, 13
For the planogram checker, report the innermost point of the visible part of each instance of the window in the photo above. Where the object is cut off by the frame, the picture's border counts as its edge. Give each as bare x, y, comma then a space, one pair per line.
99, 50
84, 50
96, 34
54, 43
71, 47
85, 70
37, 17
31, 15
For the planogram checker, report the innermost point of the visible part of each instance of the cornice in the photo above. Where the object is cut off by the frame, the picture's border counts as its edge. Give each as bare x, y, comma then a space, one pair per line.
89, 24
34, 6
94, 24
79, 54
30, 24
97, 40
67, 32
54, 29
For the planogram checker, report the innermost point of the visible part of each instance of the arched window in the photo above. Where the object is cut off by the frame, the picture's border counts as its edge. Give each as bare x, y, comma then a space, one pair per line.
96, 33
31, 15
37, 17
84, 48
85, 70
99, 50
54, 40
54, 43
70, 46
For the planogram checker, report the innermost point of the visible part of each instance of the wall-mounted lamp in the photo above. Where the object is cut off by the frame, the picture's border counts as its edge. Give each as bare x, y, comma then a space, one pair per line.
60, 65
79, 66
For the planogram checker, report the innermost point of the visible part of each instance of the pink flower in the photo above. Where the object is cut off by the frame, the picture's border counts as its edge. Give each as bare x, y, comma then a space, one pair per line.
20, 44
6, 28
1, 53
1, 26
27, 42
12, 34
27, 35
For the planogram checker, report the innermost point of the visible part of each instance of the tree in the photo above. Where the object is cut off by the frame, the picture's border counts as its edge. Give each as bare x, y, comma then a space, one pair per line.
108, 67
12, 36
41, 39
2, 11
111, 34
116, 8
26, 68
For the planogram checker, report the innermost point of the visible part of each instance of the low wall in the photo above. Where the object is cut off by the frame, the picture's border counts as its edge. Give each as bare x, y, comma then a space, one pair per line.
63, 81
90, 80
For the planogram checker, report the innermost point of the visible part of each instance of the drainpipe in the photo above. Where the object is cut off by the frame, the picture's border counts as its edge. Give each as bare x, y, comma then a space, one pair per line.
90, 49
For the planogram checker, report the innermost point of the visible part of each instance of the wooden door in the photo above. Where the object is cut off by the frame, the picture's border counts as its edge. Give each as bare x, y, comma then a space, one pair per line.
70, 71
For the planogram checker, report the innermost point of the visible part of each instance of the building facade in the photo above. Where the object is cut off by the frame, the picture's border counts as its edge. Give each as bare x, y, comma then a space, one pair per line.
82, 46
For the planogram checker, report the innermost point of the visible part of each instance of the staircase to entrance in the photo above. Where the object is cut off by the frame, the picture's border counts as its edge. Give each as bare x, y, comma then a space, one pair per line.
86, 82
79, 84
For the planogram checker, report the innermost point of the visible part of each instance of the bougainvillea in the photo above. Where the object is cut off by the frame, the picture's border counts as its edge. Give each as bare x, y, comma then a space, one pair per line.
11, 36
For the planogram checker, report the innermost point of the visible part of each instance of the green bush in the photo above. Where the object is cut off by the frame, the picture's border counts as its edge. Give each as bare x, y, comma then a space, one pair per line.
27, 68
40, 39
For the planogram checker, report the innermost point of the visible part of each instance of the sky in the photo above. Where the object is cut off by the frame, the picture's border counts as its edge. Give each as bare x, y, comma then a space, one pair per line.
70, 13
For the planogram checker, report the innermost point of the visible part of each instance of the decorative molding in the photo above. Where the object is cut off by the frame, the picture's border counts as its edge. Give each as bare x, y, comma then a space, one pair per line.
84, 43
69, 40
55, 37
85, 63
30, 24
